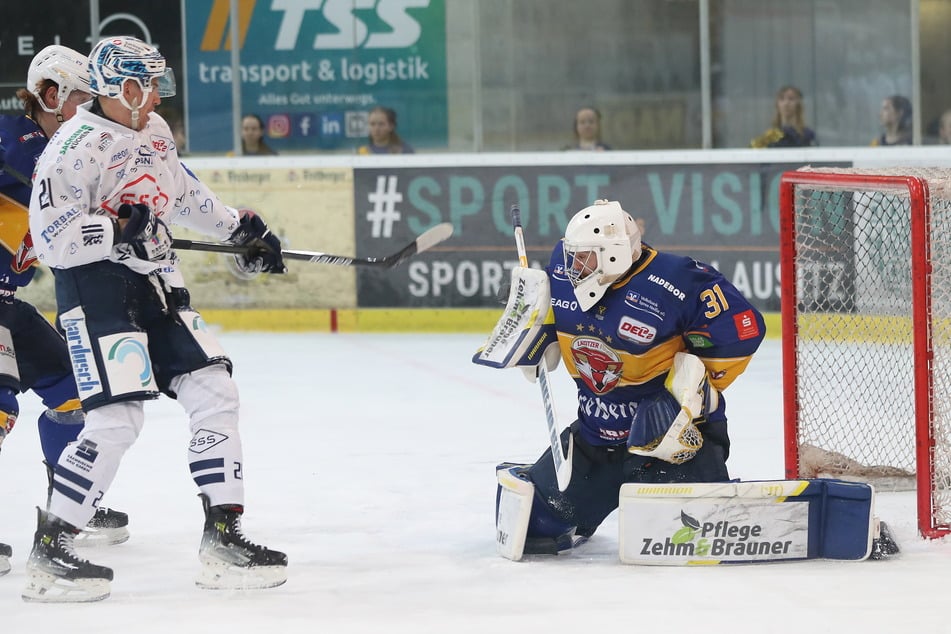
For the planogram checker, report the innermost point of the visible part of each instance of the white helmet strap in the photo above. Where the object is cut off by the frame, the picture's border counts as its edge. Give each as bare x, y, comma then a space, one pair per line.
136, 107
62, 93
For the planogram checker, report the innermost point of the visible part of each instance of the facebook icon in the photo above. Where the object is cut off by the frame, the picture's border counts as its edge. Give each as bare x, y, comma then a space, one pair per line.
304, 125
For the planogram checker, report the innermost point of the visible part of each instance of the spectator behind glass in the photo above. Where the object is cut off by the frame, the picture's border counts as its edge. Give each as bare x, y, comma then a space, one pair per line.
788, 128
895, 117
383, 138
944, 128
252, 137
587, 131
174, 119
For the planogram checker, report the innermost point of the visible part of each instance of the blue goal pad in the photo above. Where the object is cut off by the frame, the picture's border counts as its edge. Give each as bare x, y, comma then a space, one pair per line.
682, 524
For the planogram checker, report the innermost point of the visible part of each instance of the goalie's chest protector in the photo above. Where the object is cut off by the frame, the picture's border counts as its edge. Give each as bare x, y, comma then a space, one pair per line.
620, 349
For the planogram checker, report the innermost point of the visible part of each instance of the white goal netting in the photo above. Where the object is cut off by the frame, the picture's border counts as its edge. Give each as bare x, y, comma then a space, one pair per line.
873, 319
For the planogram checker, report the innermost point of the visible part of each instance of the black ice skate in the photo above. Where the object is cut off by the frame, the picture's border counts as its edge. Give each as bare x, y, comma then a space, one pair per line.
229, 560
5, 553
55, 573
884, 546
106, 528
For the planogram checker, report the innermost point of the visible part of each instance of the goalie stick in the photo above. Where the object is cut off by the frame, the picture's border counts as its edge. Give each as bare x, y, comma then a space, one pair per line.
426, 240
560, 457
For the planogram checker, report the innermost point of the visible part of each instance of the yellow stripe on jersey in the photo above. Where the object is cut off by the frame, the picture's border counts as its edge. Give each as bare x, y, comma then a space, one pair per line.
636, 368
641, 368
14, 223
722, 372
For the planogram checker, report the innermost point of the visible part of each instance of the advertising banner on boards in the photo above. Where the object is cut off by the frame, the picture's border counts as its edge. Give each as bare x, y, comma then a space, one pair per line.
725, 215
313, 71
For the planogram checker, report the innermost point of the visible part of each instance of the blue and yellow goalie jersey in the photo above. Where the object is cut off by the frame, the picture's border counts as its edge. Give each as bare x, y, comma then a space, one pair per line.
620, 350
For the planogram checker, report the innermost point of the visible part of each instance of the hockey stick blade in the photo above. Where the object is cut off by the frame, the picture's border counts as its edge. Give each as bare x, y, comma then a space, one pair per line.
423, 242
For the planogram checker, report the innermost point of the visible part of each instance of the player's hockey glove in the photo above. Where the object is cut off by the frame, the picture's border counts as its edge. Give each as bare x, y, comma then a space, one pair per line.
264, 248
144, 232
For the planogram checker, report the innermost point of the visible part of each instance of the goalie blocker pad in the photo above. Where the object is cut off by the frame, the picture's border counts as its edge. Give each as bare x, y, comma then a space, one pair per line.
525, 333
682, 524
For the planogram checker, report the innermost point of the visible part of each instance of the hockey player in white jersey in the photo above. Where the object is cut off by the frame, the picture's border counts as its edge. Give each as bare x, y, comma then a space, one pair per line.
105, 192
37, 358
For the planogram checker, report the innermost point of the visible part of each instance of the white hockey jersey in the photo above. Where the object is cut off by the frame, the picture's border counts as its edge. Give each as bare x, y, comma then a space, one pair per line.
92, 166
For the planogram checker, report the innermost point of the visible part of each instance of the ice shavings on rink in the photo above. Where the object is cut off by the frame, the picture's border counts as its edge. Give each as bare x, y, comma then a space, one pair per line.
370, 461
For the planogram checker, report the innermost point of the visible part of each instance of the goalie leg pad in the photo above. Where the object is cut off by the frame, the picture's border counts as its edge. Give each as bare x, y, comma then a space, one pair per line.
523, 527
513, 508
745, 522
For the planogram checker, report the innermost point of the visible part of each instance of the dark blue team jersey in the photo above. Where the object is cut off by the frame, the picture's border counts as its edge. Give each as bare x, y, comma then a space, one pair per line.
21, 143
620, 350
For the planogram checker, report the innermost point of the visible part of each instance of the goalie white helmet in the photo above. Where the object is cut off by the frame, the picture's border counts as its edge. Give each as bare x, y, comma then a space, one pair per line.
63, 66
601, 243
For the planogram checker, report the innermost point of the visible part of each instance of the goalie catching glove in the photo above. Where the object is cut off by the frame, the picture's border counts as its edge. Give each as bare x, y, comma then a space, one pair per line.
263, 253
524, 336
665, 424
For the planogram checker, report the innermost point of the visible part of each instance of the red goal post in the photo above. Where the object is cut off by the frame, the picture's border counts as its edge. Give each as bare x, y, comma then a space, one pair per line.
865, 256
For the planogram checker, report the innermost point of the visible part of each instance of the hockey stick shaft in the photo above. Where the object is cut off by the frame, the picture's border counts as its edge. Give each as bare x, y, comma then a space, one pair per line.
4, 167
424, 241
561, 457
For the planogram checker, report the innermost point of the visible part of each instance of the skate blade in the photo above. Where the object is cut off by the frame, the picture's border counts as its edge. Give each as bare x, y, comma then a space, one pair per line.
47, 588
216, 575
98, 537
4, 566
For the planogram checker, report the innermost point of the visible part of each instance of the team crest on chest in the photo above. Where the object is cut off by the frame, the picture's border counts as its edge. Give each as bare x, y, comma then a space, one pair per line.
598, 364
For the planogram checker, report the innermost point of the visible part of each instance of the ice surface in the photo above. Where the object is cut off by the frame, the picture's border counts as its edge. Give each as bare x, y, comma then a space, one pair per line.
370, 460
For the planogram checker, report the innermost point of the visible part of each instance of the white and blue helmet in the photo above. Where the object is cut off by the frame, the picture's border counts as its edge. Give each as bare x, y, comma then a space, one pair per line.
117, 59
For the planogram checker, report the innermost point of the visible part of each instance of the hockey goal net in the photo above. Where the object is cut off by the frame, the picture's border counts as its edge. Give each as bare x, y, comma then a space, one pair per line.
866, 311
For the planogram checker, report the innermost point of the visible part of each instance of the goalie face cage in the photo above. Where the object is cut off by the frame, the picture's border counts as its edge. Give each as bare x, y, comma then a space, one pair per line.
866, 313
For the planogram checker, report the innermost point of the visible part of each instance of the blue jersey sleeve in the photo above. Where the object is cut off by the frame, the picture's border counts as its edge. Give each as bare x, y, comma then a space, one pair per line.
724, 329
21, 143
